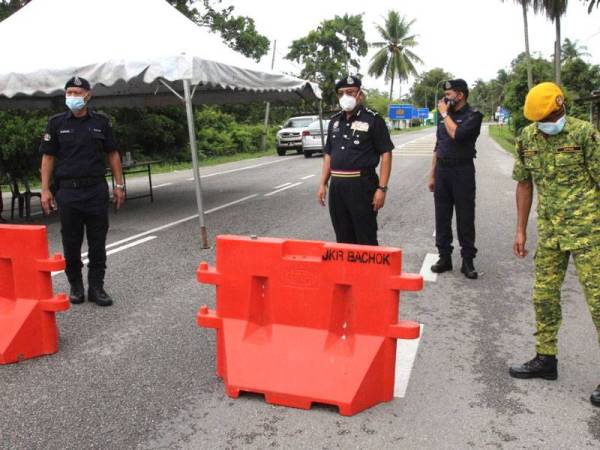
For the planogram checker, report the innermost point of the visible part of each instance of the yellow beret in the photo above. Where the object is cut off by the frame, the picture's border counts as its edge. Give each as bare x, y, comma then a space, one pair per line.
542, 100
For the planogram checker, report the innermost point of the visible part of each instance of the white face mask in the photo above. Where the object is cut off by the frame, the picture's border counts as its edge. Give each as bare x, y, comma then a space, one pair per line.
348, 102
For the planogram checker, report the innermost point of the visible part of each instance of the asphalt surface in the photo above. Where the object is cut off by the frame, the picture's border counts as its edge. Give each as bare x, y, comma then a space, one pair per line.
141, 374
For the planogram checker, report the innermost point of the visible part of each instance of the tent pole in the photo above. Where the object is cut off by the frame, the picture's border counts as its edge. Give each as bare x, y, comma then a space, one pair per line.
194, 150
321, 124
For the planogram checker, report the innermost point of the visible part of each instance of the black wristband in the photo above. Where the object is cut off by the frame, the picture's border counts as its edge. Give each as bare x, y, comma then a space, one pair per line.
382, 188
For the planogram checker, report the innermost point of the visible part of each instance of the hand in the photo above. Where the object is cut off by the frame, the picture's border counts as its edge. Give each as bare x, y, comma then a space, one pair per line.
118, 197
442, 106
48, 204
431, 183
322, 194
519, 245
378, 200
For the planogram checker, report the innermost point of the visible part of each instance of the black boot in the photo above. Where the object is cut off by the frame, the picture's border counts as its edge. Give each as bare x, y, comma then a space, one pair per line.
468, 269
595, 397
542, 366
77, 294
442, 265
99, 296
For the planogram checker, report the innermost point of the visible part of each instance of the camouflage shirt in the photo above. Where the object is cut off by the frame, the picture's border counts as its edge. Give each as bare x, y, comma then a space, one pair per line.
565, 169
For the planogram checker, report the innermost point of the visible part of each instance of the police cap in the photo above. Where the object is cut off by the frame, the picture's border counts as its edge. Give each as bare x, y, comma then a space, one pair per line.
348, 81
78, 82
458, 85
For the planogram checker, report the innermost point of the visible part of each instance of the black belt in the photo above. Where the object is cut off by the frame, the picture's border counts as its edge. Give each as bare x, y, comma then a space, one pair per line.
453, 162
77, 183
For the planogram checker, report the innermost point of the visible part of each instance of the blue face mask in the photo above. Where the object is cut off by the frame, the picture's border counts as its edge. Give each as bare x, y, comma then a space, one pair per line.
75, 103
552, 127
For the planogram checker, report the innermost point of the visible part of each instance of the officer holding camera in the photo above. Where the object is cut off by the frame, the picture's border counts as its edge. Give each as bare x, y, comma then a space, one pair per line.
452, 177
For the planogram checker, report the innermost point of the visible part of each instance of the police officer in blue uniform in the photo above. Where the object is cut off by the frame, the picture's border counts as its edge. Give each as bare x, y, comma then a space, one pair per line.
357, 141
452, 178
75, 148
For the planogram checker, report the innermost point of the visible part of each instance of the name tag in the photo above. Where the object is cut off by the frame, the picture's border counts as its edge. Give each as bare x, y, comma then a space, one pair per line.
570, 149
360, 126
64, 131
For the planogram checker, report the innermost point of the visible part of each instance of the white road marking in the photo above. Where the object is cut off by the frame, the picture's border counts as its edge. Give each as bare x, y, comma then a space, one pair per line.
115, 250
283, 189
239, 169
161, 185
230, 204
307, 177
426, 273
282, 185
406, 351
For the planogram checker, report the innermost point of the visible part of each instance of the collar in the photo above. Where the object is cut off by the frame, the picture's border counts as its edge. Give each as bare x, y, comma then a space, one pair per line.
89, 113
355, 114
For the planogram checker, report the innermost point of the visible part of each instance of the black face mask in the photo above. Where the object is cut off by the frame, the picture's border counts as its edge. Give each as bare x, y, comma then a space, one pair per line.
451, 102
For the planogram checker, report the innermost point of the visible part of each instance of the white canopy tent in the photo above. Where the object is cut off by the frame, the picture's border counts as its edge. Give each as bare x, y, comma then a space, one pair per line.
134, 53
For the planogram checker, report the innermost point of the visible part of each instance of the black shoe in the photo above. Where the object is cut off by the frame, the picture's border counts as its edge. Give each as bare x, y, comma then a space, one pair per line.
99, 296
542, 366
77, 294
595, 397
442, 265
468, 269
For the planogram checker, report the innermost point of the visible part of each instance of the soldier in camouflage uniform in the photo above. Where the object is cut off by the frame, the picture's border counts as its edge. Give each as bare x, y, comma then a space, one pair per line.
561, 156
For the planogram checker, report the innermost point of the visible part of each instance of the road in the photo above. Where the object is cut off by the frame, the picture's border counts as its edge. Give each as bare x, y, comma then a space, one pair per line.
141, 374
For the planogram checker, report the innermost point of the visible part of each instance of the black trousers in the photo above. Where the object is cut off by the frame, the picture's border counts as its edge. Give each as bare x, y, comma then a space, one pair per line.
351, 209
84, 209
455, 188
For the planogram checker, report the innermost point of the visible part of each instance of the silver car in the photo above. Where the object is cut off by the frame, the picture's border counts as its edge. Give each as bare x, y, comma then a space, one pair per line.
311, 138
290, 135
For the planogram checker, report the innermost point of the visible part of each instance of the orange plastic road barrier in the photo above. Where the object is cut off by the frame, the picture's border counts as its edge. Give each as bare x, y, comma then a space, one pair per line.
27, 306
304, 322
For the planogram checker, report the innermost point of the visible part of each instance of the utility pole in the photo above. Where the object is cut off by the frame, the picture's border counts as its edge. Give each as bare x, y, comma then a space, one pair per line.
263, 144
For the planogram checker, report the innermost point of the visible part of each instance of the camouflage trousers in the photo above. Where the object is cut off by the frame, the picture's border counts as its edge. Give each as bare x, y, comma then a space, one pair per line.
550, 268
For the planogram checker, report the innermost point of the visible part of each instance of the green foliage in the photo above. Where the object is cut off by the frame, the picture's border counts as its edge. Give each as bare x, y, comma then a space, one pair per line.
219, 135
20, 137
504, 136
239, 32
377, 101
394, 58
324, 55
425, 86
8, 7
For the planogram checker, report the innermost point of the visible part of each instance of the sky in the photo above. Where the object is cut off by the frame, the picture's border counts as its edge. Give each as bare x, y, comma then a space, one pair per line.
469, 38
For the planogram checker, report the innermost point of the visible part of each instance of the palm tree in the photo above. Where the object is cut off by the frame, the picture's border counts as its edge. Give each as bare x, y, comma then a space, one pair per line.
591, 4
394, 59
555, 9
525, 4
572, 50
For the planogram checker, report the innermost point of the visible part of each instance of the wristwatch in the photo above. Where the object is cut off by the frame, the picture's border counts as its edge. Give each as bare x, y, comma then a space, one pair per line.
444, 115
120, 186
382, 188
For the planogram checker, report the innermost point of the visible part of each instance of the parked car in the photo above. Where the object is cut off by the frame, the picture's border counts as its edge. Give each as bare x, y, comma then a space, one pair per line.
311, 138
290, 135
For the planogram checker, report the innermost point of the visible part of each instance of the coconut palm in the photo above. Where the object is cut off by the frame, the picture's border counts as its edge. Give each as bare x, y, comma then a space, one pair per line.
394, 59
525, 5
591, 4
555, 9
572, 50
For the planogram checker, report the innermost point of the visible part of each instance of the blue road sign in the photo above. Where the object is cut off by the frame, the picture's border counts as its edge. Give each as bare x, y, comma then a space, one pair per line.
423, 113
401, 112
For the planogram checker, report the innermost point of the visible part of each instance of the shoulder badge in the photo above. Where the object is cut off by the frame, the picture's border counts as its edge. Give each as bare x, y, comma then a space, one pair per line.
104, 116
375, 113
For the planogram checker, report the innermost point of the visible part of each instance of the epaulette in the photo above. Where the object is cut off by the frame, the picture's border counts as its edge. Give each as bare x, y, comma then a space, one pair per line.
375, 113
337, 114
103, 115
56, 116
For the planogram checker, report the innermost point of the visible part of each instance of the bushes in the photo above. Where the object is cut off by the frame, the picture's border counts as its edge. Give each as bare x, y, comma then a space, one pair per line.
20, 137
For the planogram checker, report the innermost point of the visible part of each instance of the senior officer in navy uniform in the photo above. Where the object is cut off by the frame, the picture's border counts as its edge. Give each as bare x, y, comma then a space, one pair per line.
75, 148
357, 140
452, 178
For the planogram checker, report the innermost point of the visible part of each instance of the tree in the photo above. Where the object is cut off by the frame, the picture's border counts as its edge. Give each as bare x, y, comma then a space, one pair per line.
324, 54
572, 50
8, 7
423, 90
378, 101
555, 9
591, 4
525, 5
395, 59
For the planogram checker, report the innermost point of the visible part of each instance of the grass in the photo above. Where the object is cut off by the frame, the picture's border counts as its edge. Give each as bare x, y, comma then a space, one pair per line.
504, 137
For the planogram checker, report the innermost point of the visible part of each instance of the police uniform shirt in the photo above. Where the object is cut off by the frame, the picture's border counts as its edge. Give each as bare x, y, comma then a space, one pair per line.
468, 121
357, 143
79, 144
